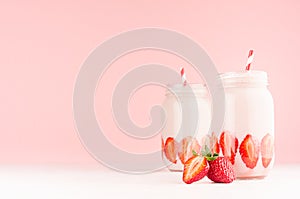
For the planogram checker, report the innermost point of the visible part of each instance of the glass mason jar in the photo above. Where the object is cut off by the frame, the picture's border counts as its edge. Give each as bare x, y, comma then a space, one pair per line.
248, 130
179, 139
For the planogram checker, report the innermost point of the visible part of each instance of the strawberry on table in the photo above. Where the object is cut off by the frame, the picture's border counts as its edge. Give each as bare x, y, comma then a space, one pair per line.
186, 148
170, 149
249, 150
229, 145
217, 169
221, 170
267, 149
195, 169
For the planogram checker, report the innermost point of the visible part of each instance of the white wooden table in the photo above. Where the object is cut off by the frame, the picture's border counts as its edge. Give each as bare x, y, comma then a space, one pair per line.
94, 181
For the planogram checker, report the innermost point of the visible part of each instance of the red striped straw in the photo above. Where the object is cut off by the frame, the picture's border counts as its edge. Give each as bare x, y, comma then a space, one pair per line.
183, 77
250, 59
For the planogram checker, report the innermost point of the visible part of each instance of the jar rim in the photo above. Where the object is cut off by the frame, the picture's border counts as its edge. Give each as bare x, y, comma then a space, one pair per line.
180, 89
244, 77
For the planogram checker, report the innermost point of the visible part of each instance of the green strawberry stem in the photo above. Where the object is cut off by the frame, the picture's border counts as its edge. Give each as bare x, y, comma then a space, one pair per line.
211, 158
206, 152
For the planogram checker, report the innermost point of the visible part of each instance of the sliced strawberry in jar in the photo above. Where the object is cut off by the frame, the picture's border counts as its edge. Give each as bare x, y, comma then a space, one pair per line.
186, 148
170, 149
212, 142
249, 150
229, 145
267, 149
195, 169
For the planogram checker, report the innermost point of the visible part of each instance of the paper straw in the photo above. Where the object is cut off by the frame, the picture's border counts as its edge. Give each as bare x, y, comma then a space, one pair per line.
250, 59
183, 76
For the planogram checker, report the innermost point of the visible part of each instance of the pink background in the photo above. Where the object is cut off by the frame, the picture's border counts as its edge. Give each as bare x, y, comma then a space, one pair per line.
42, 46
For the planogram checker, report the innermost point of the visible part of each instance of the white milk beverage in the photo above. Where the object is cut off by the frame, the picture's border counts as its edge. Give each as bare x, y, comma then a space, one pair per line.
177, 142
248, 132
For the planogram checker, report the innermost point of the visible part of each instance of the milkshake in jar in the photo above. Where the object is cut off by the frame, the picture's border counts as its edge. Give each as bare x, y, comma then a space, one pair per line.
248, 132
179, 138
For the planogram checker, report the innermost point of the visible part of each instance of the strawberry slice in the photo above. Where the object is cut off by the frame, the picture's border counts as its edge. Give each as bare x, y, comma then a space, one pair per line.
186, 147
249, 150
195, 169
267, 149
212, 142
170, 149
229, 145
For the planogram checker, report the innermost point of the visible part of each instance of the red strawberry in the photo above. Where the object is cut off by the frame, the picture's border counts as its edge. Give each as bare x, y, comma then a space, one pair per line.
221, 170
249, 150
170, 149
229, 145
267, 149
195, 169
186, 147
212, 142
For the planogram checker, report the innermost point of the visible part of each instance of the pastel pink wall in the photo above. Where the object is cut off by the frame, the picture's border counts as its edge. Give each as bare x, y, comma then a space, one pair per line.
42, 46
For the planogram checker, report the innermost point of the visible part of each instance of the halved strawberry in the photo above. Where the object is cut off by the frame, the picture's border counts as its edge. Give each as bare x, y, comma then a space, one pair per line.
212, 142
267, 149
170, 149
195, 169
229, 145
249, 150
186, 147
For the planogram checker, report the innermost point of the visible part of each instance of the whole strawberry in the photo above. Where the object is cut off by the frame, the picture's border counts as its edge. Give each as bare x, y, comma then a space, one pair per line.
221, 170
